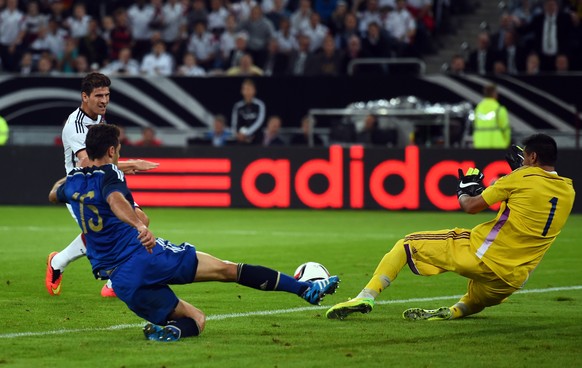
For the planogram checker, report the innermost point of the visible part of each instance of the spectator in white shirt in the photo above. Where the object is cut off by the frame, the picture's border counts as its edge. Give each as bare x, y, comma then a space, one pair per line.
189, 68
300, 18
173, 21
370, 15
227, 40
400, 23
78, 23
203, 45
242, 9
157, 62
140, 16
286, 39
12, 33
124, 65
217, 17
315, 31
33, 20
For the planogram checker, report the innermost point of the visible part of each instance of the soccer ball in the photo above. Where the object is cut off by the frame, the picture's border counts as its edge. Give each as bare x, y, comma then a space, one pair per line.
311, 271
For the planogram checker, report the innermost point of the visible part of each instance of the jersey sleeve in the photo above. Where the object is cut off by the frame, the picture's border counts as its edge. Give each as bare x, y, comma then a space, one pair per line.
75, 136
499, 191
114, 181
61, 197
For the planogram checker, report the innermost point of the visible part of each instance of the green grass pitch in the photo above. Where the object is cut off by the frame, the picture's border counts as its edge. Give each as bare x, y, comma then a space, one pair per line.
540, 327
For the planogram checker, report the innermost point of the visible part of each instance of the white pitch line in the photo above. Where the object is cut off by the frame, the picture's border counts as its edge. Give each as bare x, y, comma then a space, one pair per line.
219, 317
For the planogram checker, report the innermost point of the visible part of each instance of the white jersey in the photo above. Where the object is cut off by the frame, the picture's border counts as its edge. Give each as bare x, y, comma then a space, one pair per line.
74, 133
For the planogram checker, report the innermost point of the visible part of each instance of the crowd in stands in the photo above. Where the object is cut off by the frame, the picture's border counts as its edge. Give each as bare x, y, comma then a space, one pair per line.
532, 37
214, 37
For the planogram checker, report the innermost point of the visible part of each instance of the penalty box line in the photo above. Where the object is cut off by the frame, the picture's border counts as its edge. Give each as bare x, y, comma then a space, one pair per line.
219, 317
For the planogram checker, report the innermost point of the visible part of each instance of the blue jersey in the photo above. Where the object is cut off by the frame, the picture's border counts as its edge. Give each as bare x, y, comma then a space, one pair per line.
110, 241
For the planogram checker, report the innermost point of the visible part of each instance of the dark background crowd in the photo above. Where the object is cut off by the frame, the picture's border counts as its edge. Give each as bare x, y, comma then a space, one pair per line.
216, 37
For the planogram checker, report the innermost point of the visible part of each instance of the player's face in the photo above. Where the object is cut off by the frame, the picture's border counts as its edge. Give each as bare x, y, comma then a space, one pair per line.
96, 103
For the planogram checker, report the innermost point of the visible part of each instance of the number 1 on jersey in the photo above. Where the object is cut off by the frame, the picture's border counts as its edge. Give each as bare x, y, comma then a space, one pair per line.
554, 202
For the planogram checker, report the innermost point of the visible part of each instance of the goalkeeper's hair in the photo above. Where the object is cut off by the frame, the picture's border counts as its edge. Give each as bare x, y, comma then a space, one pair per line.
99, 138
545, 147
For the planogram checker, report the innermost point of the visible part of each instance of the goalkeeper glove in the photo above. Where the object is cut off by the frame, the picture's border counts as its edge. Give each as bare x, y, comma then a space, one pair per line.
514, 157
471, 183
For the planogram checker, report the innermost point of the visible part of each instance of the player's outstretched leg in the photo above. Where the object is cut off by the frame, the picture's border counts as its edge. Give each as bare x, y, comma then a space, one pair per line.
342, 310
57, 261
416, 314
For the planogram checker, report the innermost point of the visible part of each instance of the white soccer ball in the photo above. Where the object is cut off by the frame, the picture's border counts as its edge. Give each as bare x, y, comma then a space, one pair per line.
311, 271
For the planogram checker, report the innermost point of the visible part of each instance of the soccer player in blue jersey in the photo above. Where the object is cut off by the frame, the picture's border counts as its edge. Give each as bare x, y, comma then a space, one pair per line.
497, 256
122, 248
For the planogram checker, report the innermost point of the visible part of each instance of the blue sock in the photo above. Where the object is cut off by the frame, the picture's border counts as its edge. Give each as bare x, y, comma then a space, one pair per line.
266, 279
187, 326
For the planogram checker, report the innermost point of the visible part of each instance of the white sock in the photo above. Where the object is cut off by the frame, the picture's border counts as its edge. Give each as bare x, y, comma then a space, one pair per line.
109, 284
368, 294
72, 252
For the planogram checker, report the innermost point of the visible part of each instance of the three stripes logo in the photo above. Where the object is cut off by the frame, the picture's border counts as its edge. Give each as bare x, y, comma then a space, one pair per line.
183, 182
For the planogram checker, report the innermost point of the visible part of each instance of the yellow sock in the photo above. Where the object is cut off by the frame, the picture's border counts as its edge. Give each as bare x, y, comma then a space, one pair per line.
387, 269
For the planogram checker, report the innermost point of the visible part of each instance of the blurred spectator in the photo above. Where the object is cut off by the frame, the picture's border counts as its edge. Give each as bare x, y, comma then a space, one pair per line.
401, 26
286, 40
148, 138
12, 34
81, 65
316, 32
260, 31
325, 8
219, 136
140, 16
196, 13
349, 29
58, 12
246, 68
202, 45
562, 64
511, 54
33, 21
240, 48
300, 18
370, 134
457, 65
93, 46
328, 61
173, 25
272, 134
45, 66
498, 38
299, 59
525, 11
124, 65
189, 68
275, 62
276, 13
67, 59
120, 36
107, 25
499, 67
217, 17
371, 14
158, 61
125, 142
26, 64
302, 139
551, 30
242, 9
532, 64
78, 23
56, 38
248, 115
481, 59
226, 43
376, 44
337, 17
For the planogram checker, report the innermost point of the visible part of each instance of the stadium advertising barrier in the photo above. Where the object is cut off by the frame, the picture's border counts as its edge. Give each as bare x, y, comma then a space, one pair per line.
320, 178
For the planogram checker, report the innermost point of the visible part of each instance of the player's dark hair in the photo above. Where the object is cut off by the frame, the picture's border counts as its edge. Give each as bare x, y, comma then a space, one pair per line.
94, 80
545, 147
99, 138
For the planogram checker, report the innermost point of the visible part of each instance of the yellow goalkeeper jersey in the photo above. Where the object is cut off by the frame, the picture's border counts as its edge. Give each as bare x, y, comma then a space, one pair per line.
535, 205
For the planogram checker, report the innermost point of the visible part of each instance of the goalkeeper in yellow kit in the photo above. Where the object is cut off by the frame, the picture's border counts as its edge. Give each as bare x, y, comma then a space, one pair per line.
496, 256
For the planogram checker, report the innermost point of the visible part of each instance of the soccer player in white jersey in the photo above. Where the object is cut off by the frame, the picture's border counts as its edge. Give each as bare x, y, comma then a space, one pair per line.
94, 100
